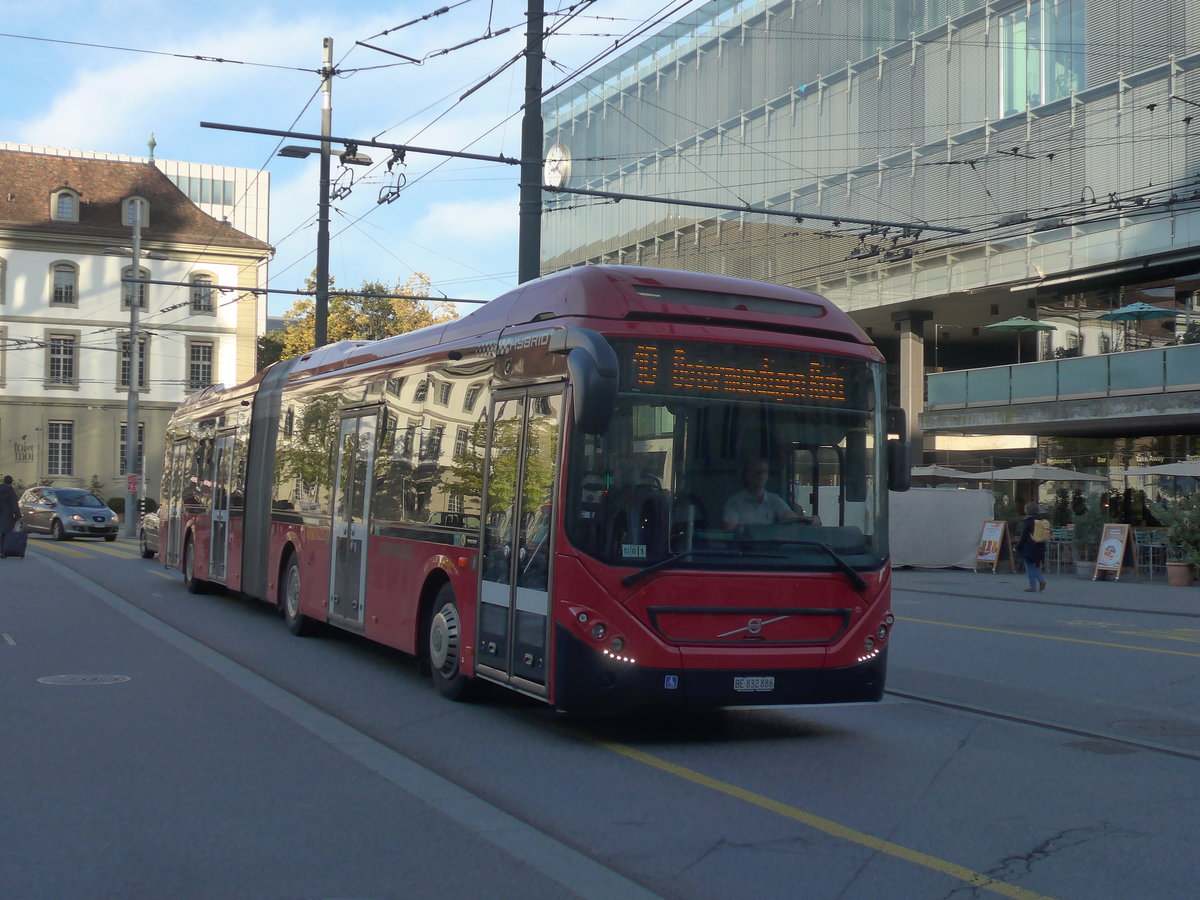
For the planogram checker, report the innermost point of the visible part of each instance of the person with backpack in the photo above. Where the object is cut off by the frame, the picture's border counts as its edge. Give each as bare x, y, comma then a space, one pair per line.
1031, 547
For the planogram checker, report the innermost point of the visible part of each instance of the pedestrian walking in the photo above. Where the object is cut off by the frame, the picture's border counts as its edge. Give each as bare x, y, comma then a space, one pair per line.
10, 512
1031, 550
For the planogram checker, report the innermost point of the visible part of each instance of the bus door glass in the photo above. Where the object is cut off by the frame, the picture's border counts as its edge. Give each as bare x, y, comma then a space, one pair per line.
172, 537
351, 510
514, 613
222, 481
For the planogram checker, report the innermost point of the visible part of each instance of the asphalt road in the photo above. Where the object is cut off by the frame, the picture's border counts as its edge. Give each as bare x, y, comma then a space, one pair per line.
163, 744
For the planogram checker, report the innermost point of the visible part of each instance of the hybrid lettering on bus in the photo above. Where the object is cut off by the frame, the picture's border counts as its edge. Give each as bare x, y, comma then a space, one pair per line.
535, 494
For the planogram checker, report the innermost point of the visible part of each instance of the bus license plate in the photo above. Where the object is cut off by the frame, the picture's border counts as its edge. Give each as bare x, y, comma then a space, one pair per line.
753, 683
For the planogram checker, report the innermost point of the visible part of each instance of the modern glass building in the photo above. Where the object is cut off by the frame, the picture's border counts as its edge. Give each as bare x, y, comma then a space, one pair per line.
933, 166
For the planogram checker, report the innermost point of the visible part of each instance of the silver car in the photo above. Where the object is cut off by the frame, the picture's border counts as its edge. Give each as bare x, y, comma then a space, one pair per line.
67, 513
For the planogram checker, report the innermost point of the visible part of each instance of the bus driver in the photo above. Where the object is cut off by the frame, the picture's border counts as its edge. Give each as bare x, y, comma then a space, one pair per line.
754, 504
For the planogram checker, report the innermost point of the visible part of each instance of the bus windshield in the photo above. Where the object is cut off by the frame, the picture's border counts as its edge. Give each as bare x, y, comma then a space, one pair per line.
734, 457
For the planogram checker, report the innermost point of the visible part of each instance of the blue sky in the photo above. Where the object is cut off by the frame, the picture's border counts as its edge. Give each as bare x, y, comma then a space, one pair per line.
77, 75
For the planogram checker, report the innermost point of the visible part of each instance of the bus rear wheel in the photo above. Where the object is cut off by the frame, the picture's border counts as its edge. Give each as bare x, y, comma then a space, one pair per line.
445, 645
289, 598
193, 584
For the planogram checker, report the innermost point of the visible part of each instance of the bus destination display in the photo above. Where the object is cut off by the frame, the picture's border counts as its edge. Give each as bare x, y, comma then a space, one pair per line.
730, 372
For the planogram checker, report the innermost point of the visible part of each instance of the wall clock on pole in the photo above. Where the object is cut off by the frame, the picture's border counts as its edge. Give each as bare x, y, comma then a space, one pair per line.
558, 166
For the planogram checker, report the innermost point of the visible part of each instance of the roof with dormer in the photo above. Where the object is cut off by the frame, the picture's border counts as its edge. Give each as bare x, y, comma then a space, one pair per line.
28, 180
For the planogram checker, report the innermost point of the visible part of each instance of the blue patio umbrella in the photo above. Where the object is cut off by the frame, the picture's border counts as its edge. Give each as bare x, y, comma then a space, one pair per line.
1138, 312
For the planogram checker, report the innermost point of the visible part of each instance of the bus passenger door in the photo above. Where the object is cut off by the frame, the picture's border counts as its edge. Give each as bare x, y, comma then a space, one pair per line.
513, 644
222, 482
171, 525
351, 512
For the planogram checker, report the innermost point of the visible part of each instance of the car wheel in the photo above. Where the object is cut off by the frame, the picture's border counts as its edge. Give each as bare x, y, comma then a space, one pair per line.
147, 553
289, 599
444, 645
110, 537
193, 584
58, 532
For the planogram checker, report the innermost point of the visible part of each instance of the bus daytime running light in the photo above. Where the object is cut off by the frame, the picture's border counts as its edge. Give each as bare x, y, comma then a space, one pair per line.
622, 659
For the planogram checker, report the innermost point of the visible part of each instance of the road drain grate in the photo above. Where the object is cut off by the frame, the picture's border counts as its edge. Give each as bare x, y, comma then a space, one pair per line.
83, 679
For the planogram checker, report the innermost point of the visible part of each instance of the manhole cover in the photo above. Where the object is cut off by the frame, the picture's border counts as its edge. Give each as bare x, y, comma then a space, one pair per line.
1160, 727
83, 679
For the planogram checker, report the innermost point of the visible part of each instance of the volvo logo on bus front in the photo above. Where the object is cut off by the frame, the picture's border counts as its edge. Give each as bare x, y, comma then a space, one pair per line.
754, 626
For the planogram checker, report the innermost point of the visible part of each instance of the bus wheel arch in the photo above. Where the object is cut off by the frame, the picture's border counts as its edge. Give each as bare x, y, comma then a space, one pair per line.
289, 594
443, 639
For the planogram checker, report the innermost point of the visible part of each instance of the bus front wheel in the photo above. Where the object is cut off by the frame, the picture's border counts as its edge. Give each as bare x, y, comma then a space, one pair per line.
445, 645
193, 584
289, 599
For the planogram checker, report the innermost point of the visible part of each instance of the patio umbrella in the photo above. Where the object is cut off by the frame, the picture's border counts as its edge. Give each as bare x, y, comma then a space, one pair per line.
1020, 325
1138, 312
942, 473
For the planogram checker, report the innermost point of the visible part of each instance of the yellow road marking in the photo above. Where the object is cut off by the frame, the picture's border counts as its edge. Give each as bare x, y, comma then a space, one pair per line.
56, 547
834, 829
163, 573
1050, 637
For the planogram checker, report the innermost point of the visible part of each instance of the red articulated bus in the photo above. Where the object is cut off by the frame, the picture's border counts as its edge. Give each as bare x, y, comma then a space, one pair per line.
538, 494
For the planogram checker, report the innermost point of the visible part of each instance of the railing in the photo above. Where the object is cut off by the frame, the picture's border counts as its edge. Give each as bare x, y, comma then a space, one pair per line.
1156, 371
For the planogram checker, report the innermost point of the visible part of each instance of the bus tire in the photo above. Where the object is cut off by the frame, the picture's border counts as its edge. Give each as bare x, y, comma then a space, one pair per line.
445, 645
193, 584
289, 598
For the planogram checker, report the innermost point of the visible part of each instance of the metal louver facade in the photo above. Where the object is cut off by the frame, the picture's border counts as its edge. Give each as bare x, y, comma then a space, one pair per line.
889, 111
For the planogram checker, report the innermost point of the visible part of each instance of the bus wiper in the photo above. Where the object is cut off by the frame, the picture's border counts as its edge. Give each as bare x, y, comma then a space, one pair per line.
856, 580
669, 561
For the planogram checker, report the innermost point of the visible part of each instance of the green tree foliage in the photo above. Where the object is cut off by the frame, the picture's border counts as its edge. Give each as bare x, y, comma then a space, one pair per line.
363, 315
270, 350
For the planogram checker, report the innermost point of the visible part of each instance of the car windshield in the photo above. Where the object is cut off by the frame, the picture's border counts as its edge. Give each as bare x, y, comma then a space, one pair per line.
734, 458
81, 499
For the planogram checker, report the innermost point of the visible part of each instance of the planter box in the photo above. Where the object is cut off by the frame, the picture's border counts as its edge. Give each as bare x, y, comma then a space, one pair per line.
1180, 574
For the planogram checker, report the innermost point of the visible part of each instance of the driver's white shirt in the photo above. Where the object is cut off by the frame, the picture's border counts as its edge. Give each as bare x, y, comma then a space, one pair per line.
742, 509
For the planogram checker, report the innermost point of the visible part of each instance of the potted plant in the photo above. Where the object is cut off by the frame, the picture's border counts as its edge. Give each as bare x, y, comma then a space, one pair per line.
1181, 517
1089, 525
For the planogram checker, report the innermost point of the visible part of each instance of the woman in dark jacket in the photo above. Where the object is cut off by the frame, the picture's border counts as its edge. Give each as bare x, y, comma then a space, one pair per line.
1033, 552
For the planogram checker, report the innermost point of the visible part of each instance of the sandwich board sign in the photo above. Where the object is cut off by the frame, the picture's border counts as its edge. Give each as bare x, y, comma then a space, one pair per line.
995, 546
1118, 549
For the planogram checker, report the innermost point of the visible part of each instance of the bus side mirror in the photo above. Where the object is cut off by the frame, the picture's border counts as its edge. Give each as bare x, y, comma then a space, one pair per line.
898, 450
592, 365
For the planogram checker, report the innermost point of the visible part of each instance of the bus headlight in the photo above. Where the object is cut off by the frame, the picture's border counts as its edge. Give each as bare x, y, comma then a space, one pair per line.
599, 630
618, 644
869, 644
